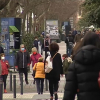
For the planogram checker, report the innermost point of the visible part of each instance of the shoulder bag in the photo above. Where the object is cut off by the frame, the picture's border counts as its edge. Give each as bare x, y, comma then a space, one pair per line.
49, 66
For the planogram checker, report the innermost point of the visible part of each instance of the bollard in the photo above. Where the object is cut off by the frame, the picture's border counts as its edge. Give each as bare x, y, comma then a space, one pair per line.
46, 84
1, 89
14, 85
21, 79
11, 81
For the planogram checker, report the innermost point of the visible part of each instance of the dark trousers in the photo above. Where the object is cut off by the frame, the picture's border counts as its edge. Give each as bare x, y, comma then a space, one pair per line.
40, 85
4, 78
69, 51
46, 50
41, 50
25, 71
53, 86
65, 75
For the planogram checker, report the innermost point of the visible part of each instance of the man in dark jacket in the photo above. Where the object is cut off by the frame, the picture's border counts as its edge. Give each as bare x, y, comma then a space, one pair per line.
46, 44
54, 75
69, 44
22, 62
41, 40
35, 44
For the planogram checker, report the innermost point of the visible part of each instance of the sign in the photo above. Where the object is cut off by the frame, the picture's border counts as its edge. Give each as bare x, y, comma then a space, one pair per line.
4, 26
5, 34
52, 29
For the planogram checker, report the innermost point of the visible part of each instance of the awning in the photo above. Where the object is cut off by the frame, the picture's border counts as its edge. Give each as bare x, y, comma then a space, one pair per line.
13, 29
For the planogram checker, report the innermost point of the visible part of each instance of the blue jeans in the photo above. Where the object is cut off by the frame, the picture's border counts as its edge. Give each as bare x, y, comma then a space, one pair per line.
69, 51
40, 85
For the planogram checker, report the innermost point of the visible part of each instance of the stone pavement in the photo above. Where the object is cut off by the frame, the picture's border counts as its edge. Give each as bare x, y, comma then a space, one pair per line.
30, 89
29, 95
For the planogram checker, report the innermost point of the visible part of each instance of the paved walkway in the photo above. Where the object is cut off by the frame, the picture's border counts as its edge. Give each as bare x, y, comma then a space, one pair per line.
30, 92
30, 96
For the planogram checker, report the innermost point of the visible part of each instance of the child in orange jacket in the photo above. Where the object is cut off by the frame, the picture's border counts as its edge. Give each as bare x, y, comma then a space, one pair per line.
39, 75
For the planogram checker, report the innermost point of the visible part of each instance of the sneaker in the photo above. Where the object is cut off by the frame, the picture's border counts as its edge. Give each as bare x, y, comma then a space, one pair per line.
5, 91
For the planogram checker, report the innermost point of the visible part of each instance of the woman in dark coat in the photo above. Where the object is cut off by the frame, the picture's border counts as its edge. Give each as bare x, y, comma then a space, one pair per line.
54, 75
83, 73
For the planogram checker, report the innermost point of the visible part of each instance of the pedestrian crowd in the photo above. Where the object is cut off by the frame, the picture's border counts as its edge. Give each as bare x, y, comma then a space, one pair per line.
80, 65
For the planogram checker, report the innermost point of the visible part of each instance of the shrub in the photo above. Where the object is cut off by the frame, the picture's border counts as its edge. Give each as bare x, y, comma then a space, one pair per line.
28, 40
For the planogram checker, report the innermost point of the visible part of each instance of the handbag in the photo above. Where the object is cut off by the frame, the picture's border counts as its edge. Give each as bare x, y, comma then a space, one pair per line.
49, 66
34, 71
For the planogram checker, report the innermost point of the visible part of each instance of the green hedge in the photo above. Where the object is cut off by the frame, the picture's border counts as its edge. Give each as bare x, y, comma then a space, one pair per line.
28, 40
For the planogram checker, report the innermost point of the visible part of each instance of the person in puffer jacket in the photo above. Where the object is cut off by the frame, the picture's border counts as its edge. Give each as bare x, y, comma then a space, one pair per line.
83, 73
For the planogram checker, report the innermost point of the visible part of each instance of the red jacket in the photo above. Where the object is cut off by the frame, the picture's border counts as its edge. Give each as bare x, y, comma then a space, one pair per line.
5, 66
34, 58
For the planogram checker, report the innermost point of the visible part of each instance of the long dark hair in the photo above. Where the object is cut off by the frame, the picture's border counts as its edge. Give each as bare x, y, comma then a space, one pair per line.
90, 38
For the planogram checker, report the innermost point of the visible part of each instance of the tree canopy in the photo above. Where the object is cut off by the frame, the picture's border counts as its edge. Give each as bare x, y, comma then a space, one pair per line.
91, 13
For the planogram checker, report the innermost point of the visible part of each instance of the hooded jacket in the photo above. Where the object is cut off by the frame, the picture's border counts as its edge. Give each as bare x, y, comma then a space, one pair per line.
83, 75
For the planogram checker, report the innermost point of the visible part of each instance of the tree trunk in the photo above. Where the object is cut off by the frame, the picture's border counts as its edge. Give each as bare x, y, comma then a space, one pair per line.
30, 23
23, 25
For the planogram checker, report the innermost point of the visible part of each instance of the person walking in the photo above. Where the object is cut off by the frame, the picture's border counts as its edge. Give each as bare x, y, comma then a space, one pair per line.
54, 75
39, 75
69, 44
22, 62
35, 44
46, 44
34, 59
41, 40
83, 76
4, 70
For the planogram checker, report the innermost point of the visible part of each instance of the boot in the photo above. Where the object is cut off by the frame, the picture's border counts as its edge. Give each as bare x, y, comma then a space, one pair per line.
5, 91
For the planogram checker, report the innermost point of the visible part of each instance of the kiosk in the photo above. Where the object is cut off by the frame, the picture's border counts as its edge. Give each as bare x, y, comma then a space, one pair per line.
10, 37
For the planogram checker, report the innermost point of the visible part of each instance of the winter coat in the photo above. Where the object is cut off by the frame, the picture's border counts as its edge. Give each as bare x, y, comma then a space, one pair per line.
69, 41
34, 58
22, 59
35, 44
66, 66
39, 68
83, 75
5, 67
57, 67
